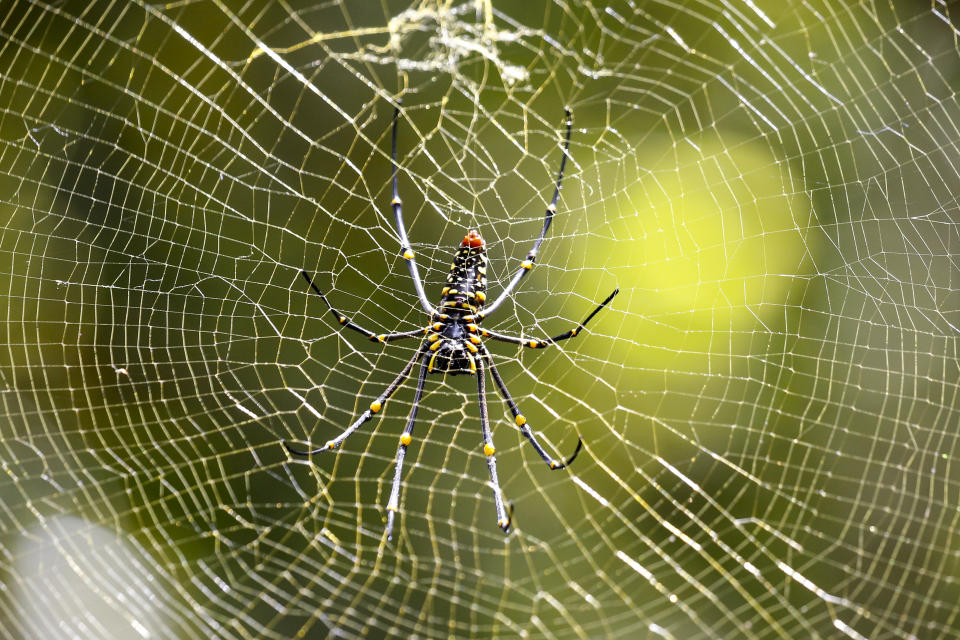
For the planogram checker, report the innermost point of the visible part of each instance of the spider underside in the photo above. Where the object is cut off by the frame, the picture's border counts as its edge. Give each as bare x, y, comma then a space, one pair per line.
453, 342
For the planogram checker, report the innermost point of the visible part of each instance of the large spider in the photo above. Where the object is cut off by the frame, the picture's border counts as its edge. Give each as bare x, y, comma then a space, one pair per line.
453, 344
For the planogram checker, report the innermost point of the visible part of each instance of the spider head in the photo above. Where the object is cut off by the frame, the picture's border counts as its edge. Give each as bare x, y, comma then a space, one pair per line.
472, 239
453, 357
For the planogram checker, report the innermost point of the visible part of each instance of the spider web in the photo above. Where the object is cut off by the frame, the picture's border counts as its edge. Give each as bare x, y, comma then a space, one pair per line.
769, 407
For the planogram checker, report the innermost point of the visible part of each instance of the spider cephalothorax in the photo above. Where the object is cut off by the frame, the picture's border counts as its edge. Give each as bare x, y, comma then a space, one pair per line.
454, 339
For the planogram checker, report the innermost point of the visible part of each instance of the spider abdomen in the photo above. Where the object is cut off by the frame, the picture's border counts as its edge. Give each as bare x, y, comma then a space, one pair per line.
466, 287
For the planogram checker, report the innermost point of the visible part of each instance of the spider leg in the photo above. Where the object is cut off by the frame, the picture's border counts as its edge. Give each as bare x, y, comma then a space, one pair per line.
539, 344
397, 205
405, 438
349, 324
503, 519
527, 264
374, 408
522, 421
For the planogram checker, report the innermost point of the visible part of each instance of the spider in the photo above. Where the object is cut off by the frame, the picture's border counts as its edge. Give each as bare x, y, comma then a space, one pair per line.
453, 342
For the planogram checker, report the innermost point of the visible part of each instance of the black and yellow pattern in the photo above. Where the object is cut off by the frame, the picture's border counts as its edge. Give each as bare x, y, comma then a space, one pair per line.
466, 287
453, 341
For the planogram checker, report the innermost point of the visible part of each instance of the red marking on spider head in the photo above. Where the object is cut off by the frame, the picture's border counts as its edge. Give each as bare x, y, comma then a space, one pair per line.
472, 239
